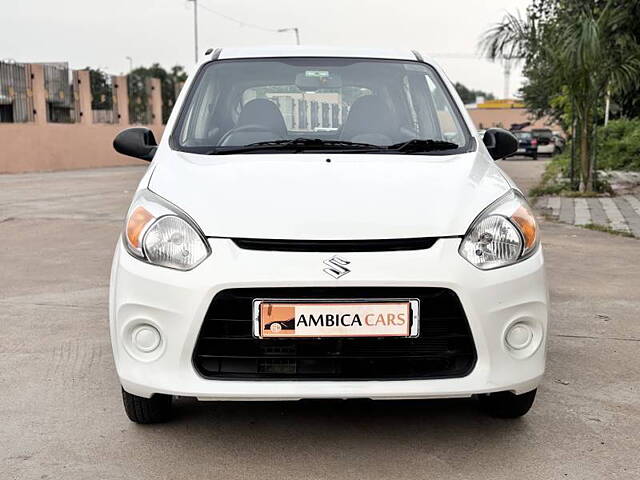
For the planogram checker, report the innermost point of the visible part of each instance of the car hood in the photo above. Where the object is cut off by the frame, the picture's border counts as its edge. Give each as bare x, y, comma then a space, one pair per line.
329, 197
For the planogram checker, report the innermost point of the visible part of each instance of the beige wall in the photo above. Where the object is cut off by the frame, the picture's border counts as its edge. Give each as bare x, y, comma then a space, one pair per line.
41, 146
30, 147
503, 117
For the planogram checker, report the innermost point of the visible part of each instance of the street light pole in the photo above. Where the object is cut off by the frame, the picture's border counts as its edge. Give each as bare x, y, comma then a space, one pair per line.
130, 63
292, 29
195, 27
507, 77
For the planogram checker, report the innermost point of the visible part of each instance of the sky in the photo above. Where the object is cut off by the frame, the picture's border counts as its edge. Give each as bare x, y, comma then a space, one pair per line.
102, 33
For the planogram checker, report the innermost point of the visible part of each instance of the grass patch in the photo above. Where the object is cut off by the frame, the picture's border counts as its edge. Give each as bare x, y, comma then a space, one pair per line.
574, 194
555, 181
542, 190
552, 182
605, 229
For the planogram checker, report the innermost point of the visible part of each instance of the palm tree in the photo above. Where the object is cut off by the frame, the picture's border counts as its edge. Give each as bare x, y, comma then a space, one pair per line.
582, 49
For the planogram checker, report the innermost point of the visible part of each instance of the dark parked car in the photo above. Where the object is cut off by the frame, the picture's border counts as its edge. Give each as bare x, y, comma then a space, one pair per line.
527, 144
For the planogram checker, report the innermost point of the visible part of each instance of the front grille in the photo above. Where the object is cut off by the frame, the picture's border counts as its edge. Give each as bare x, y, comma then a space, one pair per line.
226, 348
383, 245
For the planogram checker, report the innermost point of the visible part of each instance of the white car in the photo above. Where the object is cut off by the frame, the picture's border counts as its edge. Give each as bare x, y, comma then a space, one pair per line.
546, 141
324, 223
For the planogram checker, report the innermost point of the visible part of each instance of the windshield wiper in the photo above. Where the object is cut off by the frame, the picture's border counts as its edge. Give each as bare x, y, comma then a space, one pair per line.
418, 145
301, 144
297, 145
310, 142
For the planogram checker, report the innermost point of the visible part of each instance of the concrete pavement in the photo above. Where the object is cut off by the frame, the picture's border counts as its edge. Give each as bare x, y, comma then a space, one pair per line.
621, 213
62, 417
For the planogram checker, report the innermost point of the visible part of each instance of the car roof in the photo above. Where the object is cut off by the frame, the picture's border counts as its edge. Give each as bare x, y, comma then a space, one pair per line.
313, 51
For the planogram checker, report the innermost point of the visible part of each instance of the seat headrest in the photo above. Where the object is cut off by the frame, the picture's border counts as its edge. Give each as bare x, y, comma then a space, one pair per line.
261, 111
369, 114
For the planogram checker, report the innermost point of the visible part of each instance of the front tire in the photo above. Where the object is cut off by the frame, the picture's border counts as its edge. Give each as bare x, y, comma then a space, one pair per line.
507, 404
142, 410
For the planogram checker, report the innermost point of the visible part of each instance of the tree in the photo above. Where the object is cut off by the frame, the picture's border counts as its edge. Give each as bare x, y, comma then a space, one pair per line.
579, 49
171, 82
626, 103
469, 96
101, 89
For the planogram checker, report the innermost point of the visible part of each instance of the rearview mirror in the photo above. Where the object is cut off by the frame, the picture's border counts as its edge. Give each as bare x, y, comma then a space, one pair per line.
500, 143
136, 142
314, 80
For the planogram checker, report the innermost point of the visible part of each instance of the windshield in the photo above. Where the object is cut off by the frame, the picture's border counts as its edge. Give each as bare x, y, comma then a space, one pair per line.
338, 103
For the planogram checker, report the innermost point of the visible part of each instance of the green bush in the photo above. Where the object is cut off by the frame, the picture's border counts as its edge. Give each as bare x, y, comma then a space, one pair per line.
618, 149
619, 145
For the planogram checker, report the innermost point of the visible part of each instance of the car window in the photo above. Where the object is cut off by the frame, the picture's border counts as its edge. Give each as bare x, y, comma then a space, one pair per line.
542, 133
451, 130
380, 102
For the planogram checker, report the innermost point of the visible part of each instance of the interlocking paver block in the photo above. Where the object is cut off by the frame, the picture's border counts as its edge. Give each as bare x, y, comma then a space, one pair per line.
598, 217
566, 210
616, 220
583, 215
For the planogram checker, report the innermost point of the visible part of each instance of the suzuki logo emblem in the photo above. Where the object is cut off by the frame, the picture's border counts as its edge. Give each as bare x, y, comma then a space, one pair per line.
336, 266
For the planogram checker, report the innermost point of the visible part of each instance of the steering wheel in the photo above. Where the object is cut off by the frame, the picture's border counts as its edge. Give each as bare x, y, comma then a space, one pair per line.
251, 128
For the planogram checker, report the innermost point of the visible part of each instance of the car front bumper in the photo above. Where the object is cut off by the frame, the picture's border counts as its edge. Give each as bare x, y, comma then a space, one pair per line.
175, 303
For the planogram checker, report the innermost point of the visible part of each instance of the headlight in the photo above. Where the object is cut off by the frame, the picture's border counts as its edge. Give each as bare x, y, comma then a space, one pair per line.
504, 233
160, 233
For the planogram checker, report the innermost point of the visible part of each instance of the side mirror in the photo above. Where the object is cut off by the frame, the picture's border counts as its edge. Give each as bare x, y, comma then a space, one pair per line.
136, 142
500, 143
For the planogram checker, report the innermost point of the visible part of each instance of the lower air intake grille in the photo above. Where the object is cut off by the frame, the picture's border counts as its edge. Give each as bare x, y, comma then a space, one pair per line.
226, 348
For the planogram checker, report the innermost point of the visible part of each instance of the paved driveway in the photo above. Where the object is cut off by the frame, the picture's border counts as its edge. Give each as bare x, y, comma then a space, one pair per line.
62, 418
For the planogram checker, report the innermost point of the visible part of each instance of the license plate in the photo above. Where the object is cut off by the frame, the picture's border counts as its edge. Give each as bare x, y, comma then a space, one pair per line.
287, 319
521, 150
